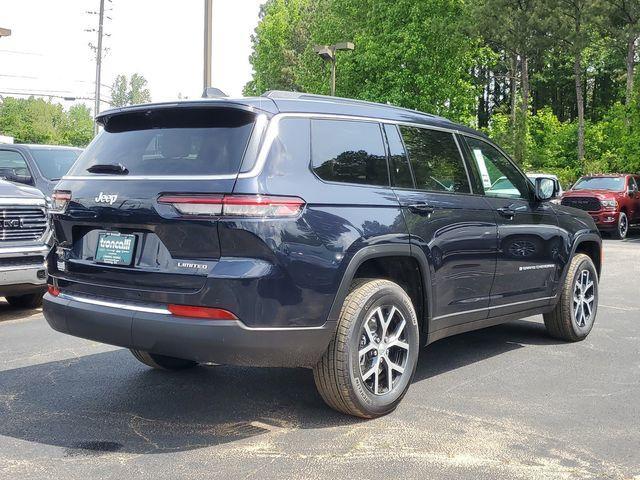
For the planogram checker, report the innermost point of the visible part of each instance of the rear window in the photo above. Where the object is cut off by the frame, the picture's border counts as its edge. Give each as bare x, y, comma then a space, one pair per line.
180, 141
349, 152
54, 163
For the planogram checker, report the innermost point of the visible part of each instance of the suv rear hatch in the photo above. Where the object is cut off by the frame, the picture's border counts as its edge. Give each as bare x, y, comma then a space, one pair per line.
114, 231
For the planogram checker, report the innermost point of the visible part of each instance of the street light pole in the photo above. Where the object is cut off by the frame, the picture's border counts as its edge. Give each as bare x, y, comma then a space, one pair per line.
96, 107
328, 54
208, 15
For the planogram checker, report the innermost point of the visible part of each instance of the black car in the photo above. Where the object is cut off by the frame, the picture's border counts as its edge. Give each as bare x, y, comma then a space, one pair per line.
40, 166
301, 230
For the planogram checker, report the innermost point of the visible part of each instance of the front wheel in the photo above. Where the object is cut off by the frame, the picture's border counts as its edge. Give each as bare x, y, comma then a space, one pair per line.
620, 233
162, 362
369, 364
575, 313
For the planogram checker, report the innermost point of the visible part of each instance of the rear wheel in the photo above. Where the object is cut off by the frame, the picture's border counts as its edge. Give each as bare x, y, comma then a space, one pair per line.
30, 300
620, 233
575, 313
162, 362
369, 364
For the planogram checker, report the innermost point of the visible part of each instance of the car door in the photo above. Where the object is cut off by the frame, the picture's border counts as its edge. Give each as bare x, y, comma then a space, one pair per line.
455, 229
529, 239
634, 197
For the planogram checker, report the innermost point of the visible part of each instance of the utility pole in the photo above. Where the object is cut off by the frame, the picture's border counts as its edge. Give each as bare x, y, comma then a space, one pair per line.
208, 16
96, 108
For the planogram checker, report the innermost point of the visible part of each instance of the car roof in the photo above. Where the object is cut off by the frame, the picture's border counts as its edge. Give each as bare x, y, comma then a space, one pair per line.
276, 101
37, 146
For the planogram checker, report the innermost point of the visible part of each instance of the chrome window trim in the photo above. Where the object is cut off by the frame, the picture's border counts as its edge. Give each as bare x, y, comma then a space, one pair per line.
122, 306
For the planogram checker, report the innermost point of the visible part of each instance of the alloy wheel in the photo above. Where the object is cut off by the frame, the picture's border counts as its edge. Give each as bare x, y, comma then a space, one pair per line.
383, 350
623, 226
584, 296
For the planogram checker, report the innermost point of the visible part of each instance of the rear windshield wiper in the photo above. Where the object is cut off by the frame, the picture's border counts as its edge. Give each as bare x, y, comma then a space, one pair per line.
116, 168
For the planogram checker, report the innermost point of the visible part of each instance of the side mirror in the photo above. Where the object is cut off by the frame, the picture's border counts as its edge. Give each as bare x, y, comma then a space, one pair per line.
545, 188
632, 191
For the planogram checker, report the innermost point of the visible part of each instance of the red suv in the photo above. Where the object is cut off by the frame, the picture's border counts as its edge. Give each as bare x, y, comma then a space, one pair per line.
612, 200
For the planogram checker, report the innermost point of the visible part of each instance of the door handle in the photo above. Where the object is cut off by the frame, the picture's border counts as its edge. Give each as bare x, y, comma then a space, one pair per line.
421, 208
506, 212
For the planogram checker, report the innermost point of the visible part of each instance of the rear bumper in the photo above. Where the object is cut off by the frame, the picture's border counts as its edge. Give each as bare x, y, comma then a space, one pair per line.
150, 329
22, 269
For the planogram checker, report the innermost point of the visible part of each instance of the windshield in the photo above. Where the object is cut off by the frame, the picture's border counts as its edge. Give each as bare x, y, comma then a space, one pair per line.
600, 183
202, 141
54, 163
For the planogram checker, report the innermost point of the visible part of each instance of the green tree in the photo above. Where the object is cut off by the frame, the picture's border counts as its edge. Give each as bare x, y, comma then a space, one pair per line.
34, 120
131, 91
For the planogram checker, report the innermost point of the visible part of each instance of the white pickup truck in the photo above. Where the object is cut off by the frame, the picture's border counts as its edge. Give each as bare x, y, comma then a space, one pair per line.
24, 244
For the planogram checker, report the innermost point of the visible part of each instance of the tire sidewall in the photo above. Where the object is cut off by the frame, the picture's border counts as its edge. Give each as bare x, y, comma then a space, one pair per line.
584, 263
620, 234
380, 404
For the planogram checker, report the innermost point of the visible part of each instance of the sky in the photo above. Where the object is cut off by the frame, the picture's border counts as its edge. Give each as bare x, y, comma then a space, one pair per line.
48, 50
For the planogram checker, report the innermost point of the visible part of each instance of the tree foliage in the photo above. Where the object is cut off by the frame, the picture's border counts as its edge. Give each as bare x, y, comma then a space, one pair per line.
129, 91
552, 80
34, 120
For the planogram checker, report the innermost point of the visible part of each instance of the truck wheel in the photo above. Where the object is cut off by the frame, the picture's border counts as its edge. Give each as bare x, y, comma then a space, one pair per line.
620, 233
368, 366
573, 316
162, 362
30, 300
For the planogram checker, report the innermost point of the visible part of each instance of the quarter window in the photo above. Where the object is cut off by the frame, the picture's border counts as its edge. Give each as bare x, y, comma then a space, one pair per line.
349, 152
435, 160
500, 178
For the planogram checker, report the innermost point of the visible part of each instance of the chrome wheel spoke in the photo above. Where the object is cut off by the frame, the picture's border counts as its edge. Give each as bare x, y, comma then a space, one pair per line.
383, 351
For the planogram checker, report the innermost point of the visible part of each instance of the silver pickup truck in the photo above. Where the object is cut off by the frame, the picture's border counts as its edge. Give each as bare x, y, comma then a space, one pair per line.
24, 244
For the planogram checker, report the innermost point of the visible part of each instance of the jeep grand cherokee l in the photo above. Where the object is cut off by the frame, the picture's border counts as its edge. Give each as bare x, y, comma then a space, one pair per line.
299, 230
612, 200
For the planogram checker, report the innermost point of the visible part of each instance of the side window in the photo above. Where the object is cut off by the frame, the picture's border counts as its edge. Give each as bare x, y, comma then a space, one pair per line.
13, 165
399, 165
500, 178
349, 152
631, 184
435, 160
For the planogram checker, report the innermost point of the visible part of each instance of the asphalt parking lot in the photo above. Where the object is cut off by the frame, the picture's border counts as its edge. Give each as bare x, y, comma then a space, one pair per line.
504, 402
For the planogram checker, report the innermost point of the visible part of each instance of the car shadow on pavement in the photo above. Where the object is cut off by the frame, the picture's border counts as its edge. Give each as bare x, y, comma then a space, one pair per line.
108, 402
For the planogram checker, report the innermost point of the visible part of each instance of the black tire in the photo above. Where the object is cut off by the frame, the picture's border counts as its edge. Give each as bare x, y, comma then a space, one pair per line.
561, 322
30, 300
338, 375
162, 362
620, 233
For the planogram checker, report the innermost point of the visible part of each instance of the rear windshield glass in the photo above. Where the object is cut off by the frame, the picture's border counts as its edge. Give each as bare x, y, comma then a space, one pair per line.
197, 141
54, 163
600, 183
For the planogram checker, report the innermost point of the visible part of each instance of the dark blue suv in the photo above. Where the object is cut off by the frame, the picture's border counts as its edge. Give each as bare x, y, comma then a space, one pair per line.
300, 230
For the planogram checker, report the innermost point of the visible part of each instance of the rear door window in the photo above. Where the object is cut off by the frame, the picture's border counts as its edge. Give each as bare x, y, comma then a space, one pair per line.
435, 160
195, 141
348, 152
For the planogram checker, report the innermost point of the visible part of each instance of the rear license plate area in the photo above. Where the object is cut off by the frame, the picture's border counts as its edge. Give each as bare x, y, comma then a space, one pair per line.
115, 248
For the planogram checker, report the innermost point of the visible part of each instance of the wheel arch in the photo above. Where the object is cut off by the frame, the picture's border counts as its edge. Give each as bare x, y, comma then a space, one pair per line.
591, 245
378, 259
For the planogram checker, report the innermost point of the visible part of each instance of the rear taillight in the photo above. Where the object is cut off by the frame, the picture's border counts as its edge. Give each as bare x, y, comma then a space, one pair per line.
249, 206
55, 291
60, 200
201, 312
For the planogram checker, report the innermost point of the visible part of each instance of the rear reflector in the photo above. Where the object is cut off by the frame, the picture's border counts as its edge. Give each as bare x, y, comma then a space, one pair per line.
248, 206
55, 291
201, 312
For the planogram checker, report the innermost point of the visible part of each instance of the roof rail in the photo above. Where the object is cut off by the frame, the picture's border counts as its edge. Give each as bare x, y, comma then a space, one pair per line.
287, 95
